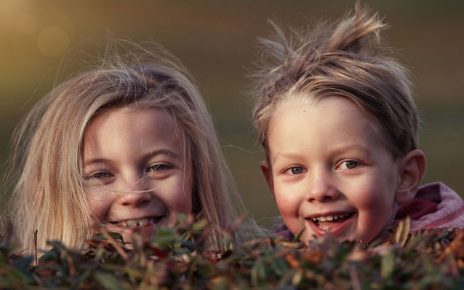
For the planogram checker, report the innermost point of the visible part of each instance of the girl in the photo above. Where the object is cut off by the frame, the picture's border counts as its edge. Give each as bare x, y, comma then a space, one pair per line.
339, 127
125, 146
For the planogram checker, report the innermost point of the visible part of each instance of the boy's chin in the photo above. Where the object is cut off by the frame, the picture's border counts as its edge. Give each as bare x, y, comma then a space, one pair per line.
364, 241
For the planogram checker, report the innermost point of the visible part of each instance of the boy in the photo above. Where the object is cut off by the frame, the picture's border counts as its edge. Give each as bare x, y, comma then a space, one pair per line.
339, 128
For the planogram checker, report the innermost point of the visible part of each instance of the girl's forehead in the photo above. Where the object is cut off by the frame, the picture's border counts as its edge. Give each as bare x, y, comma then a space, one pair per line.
126, 133
134, 111
132, 119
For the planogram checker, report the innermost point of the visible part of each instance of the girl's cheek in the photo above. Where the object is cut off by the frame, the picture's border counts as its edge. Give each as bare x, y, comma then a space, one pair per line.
97, 204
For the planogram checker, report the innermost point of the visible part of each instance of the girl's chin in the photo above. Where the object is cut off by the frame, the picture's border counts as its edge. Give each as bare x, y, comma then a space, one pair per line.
146, 232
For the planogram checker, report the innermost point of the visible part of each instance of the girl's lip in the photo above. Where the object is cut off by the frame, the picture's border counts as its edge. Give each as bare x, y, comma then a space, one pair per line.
137, 222
333, 223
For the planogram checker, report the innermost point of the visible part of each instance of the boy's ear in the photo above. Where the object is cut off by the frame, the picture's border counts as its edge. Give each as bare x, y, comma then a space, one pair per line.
267, 173
412, 169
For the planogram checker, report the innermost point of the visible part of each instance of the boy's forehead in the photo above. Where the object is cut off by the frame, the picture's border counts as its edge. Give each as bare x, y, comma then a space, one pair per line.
309, 100
303, 98
301, 115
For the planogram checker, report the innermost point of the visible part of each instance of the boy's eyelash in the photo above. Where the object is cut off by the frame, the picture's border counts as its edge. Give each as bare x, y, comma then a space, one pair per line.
295, 170
349, 164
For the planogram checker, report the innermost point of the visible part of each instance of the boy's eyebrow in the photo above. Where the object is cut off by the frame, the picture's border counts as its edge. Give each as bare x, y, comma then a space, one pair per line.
149, 155
352, 147
288, 155
335, 151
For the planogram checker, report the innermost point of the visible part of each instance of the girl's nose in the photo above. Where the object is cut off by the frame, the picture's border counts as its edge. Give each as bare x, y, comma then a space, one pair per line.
135, 194
135, 199
321, 187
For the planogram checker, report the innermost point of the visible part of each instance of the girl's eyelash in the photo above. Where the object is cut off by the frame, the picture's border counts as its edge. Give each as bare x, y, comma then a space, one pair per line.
98, 175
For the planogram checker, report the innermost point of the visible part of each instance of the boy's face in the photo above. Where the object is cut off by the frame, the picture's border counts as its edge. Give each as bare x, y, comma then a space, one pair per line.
136, 177
329, 170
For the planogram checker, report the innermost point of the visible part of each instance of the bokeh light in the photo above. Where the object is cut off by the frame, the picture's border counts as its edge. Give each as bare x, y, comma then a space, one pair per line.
53, 41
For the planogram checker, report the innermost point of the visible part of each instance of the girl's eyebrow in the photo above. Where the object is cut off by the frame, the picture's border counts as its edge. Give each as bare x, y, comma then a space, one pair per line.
157, 152
95, 161
149, 155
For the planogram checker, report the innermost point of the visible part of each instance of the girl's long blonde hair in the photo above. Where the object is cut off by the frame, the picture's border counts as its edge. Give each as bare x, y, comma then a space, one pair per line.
49, 195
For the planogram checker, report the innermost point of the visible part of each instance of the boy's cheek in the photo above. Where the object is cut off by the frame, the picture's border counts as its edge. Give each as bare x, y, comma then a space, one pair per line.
294, 224
287, 203
266, 170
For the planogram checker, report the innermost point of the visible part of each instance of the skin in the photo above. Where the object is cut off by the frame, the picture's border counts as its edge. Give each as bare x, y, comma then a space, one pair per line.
327, 160
135, 173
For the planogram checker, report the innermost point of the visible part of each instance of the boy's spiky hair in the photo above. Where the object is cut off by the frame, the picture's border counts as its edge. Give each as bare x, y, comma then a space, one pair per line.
345, 60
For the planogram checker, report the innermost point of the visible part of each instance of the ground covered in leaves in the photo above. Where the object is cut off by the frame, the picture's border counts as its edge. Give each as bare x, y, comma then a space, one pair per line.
176, 258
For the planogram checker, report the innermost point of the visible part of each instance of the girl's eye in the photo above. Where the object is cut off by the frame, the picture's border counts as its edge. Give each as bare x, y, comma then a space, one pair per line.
349, 164
99, 175
160, 167
295, 170
99, 178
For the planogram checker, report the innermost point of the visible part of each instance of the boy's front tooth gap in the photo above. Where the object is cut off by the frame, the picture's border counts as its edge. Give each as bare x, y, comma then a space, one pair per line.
330, 218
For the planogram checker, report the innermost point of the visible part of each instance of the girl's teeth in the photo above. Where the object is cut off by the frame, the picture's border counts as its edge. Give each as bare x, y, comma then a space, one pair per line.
133, 223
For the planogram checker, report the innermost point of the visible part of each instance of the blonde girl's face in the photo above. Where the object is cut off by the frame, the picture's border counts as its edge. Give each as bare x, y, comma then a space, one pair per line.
330, 171
136, 176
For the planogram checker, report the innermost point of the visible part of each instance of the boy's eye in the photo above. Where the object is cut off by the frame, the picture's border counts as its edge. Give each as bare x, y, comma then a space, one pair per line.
295, 170
349, 164
159, 167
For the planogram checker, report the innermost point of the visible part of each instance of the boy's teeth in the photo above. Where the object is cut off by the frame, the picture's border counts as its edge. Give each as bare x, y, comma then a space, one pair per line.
329, 218
132, 223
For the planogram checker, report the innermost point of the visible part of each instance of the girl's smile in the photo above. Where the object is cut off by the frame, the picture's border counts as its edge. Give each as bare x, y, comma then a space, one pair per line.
146, 226
136, 223
136, 174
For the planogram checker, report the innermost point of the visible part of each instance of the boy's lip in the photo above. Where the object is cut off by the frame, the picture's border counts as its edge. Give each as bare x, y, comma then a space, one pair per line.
333, 223
329, 214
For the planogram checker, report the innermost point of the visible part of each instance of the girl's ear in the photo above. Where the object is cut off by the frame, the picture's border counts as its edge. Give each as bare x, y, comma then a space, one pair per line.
412, 169
267, 173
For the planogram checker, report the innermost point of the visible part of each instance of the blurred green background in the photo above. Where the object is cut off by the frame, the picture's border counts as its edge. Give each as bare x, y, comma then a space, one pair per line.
44, 42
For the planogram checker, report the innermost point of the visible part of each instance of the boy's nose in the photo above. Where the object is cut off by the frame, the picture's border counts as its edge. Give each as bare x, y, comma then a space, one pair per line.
321, 188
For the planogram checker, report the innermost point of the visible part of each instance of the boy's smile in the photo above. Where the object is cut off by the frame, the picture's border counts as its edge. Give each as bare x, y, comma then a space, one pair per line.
333, 223
329, 169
